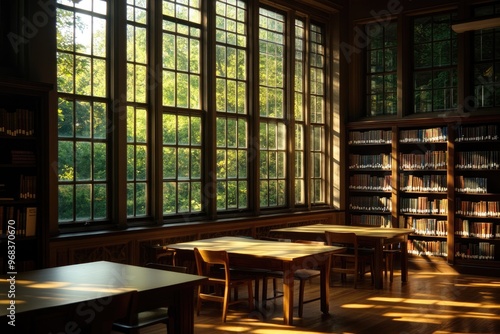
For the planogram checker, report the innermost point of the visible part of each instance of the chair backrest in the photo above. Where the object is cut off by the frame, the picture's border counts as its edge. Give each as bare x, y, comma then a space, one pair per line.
345, 239
206, 258
167, 267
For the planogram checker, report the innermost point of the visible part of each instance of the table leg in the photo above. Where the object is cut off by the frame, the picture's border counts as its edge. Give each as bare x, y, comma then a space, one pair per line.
181, 312
377, 265
288, 282
325, 286
404, 260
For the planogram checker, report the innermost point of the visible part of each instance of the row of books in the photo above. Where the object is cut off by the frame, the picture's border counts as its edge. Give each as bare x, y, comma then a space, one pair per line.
375, 161
426, 183
370, 137
27, 187
428, 248
485, 230
370, 203
370, 182
478, 209
18, 123
427, 226
427, 160
475, 251
431, 135
438, 134
23, 219
424, 205
472, 185
22, 157
477, 133
372, 220
478, 160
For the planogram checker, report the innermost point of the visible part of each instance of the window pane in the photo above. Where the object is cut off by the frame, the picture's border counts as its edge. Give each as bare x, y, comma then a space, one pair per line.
486, 61
434, 63
381, 70
231, 89
272, 107
82, 123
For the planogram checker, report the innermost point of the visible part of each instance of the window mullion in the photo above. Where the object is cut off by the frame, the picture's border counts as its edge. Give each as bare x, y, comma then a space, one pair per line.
117, 107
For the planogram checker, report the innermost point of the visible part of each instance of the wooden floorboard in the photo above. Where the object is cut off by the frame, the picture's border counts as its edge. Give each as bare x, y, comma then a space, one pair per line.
435, 300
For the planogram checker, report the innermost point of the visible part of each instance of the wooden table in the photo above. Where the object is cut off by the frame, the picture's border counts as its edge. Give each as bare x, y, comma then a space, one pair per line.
375, 237
272, 255
86, 288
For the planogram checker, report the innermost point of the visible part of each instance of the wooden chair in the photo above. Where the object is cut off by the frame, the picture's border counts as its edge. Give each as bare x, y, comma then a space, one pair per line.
356, 257
389, 252
220, 280
138, 320
301, 275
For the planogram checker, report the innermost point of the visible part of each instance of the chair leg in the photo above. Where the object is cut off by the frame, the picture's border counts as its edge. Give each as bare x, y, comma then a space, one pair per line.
257, 288
390, 262
389, 265
250, 296
301, 297
227, 295
264, 291
198, 302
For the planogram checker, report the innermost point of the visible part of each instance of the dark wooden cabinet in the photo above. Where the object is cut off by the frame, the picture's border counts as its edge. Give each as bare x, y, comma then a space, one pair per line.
23, 171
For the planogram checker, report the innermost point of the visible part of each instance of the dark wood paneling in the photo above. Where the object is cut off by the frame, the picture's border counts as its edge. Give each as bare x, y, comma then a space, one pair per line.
136, 246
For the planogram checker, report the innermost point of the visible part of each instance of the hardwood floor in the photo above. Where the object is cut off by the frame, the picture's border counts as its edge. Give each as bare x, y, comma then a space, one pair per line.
435, 300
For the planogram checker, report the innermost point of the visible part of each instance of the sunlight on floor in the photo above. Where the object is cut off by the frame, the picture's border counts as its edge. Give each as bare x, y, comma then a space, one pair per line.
253, 328
433, 301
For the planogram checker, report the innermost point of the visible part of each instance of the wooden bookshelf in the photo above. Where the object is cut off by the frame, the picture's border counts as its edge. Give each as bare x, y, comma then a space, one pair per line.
370, 177
477, 194
441, 181
22, 168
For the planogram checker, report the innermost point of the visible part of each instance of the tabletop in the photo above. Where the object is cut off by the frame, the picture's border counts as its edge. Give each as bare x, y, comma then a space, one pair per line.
285, 251
364, 231
87, 281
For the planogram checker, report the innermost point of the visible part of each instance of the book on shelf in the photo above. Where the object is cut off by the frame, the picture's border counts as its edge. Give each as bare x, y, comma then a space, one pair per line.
27, 187
30, 221
478, 160
370, 161
427, 160
471, 185
370, 137
475, 251
428, 247
477, 133
424, 183
478, 209
18, 123
431, 135
24, 217
5, 194
22, 157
